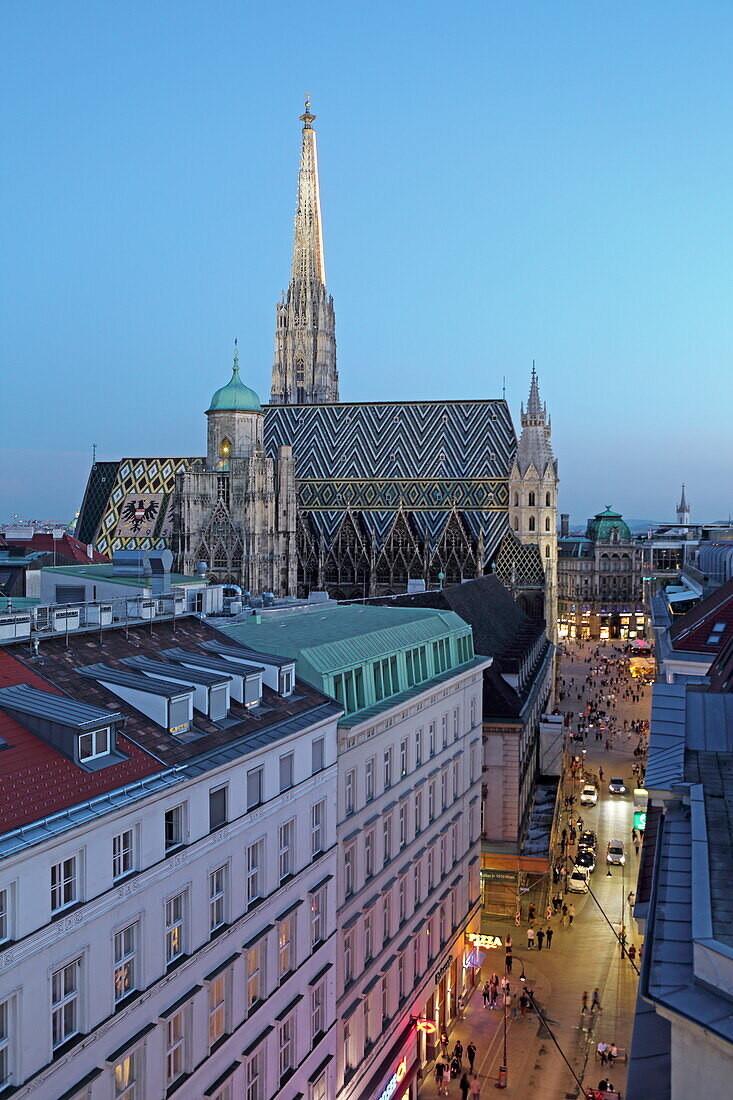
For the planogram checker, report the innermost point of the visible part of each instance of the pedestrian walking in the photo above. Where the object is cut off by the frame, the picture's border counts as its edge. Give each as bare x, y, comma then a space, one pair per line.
471, 1052
632, 952
509, 961
475, 1089
444, 1044
636, 847
530, 937
548, 936
585, 1003
531, 914
440, 1079
571, 914
464, 1085
486, 993
540, 938
596, 1002
458, 1053
564, 917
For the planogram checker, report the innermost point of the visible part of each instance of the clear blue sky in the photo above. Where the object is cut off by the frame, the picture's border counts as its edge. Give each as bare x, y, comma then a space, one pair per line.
500, 182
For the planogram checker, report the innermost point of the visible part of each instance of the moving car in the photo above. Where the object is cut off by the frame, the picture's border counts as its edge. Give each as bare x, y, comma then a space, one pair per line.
589, 795
586, 859
617, 785
588, 839
615, 851
578, 881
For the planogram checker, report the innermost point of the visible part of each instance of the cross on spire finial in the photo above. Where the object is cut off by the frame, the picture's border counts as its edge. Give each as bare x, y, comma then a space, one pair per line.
306, 118
236, 355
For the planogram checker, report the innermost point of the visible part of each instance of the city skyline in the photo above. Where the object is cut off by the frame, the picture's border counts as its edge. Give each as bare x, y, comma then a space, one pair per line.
144, 282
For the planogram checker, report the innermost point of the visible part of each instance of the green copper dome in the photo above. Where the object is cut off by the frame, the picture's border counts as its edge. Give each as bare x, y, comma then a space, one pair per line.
235, 396
602, 524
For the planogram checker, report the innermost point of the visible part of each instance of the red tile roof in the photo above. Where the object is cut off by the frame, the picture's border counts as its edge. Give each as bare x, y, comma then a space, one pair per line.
694, 632
35, 779
66, 547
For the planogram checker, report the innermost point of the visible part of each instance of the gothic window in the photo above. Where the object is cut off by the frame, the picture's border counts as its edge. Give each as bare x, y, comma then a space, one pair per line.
548, 500
220, 557
516, 524
530, 500
516, 500
547, 524
547, 551
225, 448
531, 523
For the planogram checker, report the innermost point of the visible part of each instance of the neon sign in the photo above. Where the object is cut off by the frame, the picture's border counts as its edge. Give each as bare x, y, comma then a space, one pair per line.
427, 1026
485, 941
397, 1076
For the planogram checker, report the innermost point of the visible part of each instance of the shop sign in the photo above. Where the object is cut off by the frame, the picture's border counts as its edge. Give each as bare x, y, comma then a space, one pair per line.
640, 820
484, 941
499, 876
442, 969
427, 1026
399, 1075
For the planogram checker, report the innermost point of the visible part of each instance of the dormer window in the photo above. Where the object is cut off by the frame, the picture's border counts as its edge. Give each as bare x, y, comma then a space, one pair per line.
94, 744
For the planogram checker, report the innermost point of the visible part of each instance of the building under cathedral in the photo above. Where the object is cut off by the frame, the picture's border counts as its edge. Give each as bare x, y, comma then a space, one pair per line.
385, 492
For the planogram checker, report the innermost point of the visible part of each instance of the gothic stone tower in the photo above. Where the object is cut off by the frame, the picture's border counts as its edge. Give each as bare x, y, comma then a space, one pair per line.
683, 510
304, 371
533, 485
238, 513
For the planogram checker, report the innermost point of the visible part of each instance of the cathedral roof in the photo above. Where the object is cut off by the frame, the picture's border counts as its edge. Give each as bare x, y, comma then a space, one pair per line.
534, 447
603, 523
235, 396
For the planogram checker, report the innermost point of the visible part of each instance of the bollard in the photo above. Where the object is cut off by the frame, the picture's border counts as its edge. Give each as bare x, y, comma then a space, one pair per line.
502, 1077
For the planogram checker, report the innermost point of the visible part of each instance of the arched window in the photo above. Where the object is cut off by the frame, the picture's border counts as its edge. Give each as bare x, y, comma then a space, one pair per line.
547, 524
516, 524
516, 500
548, 500
547, 551
225, 448
531, 523
530, 500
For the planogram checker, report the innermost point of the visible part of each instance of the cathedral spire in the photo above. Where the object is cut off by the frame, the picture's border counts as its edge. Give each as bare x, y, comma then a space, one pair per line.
304, 371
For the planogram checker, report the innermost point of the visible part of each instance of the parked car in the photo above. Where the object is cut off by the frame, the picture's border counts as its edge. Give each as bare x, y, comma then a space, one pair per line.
615, 851
589, 795
578, 881
586, 859
588, 839
617, 785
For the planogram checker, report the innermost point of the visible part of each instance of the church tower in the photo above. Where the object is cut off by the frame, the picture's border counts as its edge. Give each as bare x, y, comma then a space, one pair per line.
533, 485
683, 510
304, 371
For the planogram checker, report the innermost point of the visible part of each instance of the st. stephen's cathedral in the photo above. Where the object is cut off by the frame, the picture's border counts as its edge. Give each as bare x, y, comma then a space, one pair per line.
312, 492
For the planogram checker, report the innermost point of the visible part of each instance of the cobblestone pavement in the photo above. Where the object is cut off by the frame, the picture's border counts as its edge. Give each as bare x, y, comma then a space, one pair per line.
583, 957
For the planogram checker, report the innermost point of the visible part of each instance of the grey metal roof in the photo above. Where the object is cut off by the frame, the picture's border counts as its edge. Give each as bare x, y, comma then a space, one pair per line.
240, 653
189, 657
136, 680
167, 668
55, 708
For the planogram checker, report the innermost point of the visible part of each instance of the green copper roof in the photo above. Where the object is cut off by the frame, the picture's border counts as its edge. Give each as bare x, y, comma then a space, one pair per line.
602, 524
235, 396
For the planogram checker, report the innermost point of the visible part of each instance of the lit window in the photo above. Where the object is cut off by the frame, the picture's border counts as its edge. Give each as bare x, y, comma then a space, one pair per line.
94, 744
318, 912
127, 1078
174, 911
286, 946
125, 951
255, 975
217, 1009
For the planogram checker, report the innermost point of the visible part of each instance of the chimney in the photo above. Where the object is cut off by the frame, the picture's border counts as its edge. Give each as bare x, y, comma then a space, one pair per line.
564, 524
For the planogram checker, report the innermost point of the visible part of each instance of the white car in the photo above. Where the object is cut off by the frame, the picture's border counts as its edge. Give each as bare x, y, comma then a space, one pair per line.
615, 851
578, 881
589, 795
617, 785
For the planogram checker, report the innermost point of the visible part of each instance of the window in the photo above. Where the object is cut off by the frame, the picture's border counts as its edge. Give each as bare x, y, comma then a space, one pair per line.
442, 929
254, 788
403, 825
369, 778
127, 1078
349, 791
318, 1088
369, 854
65, 1008
401, 978
255, 975
548, 500
286, 771
416, 958
175, 824
473, 712
431, 800
385, 998
287, 1046
386, 678
93, 744
174, 912
348, 958
286, 861
444, 730
317, 754
403, 757
431, 869
318, 911
254, 1076
123, 854
387, 838
386, 918
516, 500
368, 938
417, 882
456, 722
125, 953
418, 813
531, 523
444, 788
547, 524
6, 1075
254, 871
349, 870
530, 500
318, 815
348, 689
367, 1022
387, 769
217, 808
472, 764
64, 885
318, 1011
431, 734
6, 931
455, 781
348, 1064
218, 998
217, 898
175, 1047
402, 899
418, 748
286, 946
